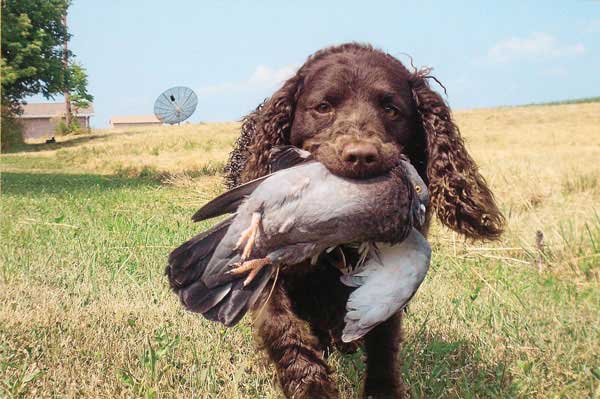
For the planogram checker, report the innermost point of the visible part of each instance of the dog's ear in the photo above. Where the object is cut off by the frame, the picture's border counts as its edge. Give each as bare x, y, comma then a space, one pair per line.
459, 194
269, 125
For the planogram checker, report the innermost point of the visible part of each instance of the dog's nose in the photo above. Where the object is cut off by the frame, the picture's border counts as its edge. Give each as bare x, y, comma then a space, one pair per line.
360, 154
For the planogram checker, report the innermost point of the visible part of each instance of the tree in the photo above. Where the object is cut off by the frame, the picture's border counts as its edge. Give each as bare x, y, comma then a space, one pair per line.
78, 81
32, 35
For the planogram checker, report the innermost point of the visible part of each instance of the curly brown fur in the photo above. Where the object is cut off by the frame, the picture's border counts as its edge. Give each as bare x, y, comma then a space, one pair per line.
300, 365
266, 127
305, 314
460, 195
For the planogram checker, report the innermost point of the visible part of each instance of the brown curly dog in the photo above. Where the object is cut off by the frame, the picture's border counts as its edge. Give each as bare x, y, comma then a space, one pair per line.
356, 109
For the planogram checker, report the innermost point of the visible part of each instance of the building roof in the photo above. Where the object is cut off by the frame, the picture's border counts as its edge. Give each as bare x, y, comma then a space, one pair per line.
134, 119
51, 110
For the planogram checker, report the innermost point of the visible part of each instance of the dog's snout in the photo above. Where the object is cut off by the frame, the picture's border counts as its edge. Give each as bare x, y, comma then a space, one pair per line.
360, 154
357, 157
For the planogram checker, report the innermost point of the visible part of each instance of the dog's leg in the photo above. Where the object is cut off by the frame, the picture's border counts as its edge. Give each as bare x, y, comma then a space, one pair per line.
302, 370
383, 379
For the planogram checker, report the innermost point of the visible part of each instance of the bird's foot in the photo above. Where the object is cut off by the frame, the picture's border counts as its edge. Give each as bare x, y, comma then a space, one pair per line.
248, 236
253, 266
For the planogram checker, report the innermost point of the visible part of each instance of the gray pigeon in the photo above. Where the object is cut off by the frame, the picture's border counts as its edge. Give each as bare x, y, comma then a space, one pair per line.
386, 282
283, 219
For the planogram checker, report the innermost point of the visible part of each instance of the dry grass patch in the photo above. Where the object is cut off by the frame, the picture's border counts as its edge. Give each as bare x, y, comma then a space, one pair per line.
542, 163
199, 148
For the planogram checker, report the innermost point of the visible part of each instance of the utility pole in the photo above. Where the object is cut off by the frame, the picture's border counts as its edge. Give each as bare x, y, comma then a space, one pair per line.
66, 67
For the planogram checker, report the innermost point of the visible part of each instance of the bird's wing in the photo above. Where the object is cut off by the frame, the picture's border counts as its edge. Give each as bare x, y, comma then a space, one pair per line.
387, 289
282, 157
286, 156
189, 260
228, 202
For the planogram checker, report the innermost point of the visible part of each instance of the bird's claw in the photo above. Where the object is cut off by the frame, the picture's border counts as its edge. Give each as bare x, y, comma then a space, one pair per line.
253, 266
248, 236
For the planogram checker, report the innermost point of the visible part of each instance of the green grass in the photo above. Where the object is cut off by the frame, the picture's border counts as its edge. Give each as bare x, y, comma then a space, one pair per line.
569, 101
85, 310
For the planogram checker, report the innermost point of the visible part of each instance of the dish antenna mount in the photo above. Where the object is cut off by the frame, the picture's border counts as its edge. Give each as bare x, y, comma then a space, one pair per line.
175, 105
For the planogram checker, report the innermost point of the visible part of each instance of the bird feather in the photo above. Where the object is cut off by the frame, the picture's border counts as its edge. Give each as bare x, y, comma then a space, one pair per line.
385, 284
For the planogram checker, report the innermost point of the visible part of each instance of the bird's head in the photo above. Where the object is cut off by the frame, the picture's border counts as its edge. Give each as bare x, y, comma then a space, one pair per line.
421, 199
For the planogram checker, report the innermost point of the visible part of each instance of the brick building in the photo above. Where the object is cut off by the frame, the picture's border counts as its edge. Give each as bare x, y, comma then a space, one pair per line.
132, 121
40, 119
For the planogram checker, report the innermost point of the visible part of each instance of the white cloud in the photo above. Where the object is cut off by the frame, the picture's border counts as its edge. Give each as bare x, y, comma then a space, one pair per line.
536, 46
263, 77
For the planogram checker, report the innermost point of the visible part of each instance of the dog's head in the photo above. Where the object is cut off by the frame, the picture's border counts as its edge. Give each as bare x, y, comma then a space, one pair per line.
355, 113
357, 109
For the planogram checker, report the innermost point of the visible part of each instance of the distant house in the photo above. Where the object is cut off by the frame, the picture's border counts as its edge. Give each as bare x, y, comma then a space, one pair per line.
129, 121
40, 119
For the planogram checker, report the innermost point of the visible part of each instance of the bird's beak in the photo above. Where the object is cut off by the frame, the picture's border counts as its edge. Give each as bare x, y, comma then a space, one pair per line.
422, 214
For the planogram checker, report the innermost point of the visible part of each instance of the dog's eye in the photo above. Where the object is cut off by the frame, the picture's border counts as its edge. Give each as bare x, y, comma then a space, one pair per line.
324, 108
391, 111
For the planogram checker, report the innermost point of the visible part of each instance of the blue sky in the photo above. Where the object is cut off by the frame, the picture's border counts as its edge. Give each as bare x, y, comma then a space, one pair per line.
234, 54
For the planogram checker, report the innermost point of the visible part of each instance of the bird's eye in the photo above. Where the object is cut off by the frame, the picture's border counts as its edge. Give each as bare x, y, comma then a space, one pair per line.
324, 108
391, 111
418, 189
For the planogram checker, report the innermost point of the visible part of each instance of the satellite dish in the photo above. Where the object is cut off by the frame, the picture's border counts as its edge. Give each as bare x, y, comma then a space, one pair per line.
175, 105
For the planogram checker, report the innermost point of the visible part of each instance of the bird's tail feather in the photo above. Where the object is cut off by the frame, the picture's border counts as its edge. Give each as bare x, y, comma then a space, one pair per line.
241, 298
201, 299
188, 262
226, 303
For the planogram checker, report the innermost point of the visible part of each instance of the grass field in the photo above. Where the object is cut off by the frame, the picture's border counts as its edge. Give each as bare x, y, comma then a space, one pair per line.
87, 225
